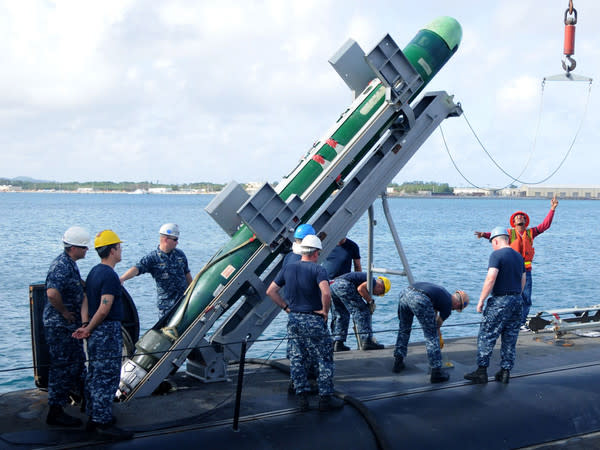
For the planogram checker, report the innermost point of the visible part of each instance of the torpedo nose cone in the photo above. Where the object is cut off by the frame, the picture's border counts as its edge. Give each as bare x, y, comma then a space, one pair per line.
433, 46
448, 29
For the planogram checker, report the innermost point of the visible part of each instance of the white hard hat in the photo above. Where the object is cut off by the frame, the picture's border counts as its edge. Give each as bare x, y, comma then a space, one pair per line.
169, 229
76, 236
311, 242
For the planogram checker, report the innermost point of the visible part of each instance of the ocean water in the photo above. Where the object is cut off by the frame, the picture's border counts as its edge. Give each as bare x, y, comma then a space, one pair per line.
437, 236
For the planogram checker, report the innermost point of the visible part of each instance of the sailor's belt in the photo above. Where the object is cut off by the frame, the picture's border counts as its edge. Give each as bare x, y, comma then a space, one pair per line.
312, 313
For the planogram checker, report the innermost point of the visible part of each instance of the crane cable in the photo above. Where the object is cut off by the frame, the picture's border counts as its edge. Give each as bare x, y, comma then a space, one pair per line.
518, 177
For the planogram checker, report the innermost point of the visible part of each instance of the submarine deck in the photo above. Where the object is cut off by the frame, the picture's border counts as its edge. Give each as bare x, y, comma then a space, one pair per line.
552, 401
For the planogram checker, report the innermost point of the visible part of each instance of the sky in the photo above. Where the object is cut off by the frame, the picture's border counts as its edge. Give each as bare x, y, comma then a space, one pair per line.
188, 91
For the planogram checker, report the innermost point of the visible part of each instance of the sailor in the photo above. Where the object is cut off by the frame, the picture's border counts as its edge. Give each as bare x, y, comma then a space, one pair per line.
62, 316
300, 233
308, 302
521, 239
339, 261
295, 255
350, 293
502, 315
103, 333
432, 305
168, 266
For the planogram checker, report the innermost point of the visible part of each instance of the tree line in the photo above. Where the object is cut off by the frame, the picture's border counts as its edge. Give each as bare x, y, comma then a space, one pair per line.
412, 187
415, 187
122, 186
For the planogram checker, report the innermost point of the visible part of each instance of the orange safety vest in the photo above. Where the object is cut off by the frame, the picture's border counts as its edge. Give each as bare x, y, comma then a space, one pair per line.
523, 244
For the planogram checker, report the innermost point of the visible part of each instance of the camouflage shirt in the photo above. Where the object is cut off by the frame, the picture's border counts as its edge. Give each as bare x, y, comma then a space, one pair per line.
64, 276
168, 270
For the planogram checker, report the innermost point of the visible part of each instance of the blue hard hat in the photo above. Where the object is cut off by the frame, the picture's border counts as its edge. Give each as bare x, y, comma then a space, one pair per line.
498, 231
304, 230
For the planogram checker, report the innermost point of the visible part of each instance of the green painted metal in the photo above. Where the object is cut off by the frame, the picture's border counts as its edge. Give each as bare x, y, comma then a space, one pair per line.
448, 29
431, 48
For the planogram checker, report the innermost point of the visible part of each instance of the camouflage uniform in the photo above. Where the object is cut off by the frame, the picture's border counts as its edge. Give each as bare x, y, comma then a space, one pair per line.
501, 317
309, 340
104, 345
67, 368
169, 271
416, 303
344, 297
104, 348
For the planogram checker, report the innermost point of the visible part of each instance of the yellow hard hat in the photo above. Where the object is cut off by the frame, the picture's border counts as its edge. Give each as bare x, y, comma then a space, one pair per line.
106, 237
387, 284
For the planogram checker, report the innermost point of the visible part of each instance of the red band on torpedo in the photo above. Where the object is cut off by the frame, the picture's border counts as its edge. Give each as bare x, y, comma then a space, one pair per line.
319, 159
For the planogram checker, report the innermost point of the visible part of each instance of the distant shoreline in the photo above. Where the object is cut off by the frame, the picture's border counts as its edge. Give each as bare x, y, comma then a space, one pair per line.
47, 191
443, 196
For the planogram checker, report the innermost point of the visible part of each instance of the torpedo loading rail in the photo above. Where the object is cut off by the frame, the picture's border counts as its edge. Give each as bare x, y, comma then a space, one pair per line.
357, 159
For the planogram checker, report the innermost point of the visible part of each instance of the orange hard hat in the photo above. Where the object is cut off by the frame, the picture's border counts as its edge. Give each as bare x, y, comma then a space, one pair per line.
512, 219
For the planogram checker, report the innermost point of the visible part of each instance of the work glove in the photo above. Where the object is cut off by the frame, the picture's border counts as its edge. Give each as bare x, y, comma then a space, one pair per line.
371, 306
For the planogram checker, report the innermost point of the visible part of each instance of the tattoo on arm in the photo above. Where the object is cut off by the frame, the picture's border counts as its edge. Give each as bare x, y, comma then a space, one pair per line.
105, 300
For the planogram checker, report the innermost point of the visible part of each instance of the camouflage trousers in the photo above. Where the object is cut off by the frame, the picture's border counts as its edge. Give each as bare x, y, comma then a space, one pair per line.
67, 370
501, 317
415, 303
309, 340
345, 299
105, 347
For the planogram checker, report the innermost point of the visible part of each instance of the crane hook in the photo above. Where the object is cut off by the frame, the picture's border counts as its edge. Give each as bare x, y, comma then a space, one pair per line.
569, 47
568, 67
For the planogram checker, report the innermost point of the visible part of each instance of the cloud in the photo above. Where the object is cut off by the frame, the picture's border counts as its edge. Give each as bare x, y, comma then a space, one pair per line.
241, 89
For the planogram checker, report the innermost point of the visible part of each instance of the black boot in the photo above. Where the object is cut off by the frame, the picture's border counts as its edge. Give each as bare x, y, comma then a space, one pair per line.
339, 346
503, 375
56, 416
303, 401
438, 375
479, 376
109, 431
330, 402
398, 364
370, 344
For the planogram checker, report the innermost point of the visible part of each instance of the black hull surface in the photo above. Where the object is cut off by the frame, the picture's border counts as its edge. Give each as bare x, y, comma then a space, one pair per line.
552, 396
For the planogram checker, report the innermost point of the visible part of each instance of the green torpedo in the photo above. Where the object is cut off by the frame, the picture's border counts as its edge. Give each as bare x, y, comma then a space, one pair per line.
427, 52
